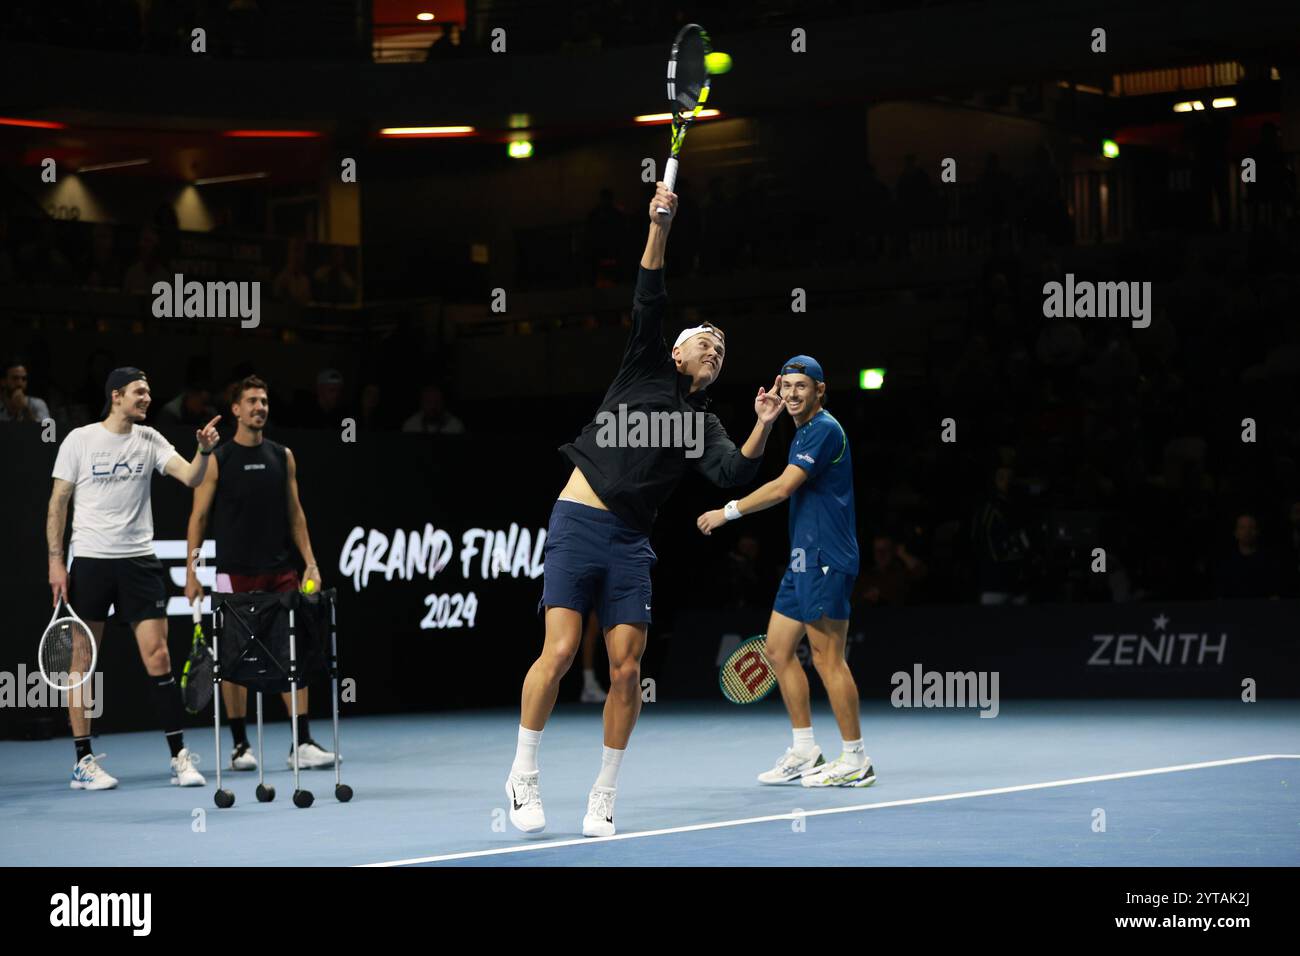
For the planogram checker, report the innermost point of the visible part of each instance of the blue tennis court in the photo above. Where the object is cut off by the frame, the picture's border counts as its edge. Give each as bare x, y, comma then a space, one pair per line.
1179, 783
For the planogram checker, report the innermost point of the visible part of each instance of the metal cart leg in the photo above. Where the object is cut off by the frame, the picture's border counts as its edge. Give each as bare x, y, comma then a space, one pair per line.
301, 798
224, 799
342, 792
265, 794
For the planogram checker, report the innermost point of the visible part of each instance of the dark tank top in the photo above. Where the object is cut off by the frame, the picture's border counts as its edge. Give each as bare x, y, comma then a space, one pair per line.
251, 508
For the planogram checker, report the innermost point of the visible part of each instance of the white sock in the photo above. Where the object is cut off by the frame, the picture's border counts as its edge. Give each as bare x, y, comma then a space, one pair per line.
854, 750
803, 739
589, 678
610, 760
526, 751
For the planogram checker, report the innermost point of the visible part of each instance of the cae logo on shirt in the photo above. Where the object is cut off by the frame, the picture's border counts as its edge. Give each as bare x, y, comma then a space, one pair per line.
103, 466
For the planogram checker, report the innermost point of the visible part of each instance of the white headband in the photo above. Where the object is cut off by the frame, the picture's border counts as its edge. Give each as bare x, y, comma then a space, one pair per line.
687, 333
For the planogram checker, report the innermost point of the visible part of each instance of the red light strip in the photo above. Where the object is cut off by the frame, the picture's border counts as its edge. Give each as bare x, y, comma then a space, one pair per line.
38, 124
271, 133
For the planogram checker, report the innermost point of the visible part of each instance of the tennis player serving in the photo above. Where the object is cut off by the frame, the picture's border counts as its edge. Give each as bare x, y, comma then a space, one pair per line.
104, 469
598, 552
814, 593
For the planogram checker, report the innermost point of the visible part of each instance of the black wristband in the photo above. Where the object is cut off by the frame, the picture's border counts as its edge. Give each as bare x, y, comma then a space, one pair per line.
208, 451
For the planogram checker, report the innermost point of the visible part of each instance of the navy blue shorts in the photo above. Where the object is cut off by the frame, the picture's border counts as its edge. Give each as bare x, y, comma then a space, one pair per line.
594, 560
810, 595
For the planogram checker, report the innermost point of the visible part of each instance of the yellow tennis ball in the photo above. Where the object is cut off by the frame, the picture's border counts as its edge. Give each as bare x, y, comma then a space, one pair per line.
718, 62
309, 587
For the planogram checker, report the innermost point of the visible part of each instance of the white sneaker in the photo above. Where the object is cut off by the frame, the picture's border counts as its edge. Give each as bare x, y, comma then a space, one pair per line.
185, 770
89, 775
525, 802
241, 758
592, 694
842, 773
311, 756
793, 765
599, 820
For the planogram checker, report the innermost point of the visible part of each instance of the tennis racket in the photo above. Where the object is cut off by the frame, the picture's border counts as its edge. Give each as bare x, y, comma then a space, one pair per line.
67, 653
196, 678
747, 676
688, 90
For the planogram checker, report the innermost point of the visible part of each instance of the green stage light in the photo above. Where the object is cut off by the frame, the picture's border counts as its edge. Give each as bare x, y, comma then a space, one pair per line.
871, 379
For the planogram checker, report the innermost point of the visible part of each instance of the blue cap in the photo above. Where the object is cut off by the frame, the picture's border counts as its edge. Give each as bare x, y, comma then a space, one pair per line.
804, 365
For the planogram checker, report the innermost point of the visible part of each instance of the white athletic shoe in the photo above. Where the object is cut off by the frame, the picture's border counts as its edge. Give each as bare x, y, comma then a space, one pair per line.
89, 775
592, 694
793, 765
842, 773
241, 758
185, 770
311, 756
525, 802
599, 820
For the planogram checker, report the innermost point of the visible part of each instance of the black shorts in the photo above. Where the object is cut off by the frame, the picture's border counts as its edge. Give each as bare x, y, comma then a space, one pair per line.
136, 588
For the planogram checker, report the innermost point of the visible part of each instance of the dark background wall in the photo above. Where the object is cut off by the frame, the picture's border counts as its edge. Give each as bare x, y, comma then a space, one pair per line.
389, 483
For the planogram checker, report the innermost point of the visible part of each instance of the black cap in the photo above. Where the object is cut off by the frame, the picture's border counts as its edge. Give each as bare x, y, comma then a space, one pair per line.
119, 378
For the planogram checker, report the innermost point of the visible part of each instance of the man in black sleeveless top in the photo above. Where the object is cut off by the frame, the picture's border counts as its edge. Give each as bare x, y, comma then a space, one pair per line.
251, 492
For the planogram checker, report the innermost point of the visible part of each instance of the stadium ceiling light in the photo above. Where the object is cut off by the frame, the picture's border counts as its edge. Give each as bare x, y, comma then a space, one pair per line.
1184, 107
36, 124
126, 162
668, 117
426, 131
424, 16
271, 133
1223, 102
238, 178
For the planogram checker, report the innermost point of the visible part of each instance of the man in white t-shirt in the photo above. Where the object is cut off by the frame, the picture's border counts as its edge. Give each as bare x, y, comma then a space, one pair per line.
105, 469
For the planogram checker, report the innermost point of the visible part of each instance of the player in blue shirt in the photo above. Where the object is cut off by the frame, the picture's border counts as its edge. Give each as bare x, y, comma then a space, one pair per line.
814, 593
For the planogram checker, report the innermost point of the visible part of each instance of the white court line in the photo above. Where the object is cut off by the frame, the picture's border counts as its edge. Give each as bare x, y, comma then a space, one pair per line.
913, 801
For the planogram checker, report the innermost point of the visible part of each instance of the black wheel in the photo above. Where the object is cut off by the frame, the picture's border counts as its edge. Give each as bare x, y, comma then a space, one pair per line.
224, 799
303, 799
265, 794
343, 793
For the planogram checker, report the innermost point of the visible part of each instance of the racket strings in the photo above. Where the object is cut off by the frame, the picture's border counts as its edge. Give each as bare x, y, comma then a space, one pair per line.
67, 652
689, 74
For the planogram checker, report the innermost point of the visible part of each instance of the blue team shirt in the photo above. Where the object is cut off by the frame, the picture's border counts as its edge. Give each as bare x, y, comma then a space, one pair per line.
822, 519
